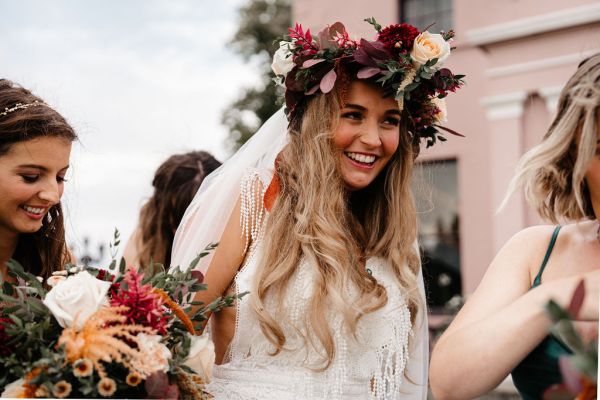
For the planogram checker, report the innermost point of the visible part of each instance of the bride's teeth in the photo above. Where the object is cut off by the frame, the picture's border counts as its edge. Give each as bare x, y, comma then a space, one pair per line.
33, 210
361, 158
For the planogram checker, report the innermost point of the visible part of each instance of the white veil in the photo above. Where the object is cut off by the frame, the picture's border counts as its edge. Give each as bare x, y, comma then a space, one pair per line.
209, 211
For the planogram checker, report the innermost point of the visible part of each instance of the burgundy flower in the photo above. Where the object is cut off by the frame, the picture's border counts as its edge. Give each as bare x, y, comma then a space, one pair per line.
444, 81
5, 350
144, 307
104, 275
404, 34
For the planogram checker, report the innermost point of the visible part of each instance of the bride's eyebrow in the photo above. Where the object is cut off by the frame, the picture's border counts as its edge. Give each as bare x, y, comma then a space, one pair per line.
355, 106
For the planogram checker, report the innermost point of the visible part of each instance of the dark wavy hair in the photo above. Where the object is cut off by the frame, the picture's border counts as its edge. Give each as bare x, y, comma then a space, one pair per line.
44, 251
175, 183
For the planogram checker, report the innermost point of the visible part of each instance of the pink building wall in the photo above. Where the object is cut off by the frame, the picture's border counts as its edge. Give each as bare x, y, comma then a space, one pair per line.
516, 55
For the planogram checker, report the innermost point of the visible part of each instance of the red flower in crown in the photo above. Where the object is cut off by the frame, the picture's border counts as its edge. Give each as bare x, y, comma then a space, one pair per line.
398, 37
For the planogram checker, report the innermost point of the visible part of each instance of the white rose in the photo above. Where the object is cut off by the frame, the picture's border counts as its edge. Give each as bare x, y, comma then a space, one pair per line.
282, 59
442, 116
428, 46
76, 297
55, 279
156, 354
14, 389
202, 356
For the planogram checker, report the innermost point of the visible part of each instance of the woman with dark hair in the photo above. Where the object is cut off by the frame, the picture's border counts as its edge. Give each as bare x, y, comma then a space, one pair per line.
35, 146
175, 183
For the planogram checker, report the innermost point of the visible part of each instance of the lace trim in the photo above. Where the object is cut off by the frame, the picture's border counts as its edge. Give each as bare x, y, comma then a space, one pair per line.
252, 210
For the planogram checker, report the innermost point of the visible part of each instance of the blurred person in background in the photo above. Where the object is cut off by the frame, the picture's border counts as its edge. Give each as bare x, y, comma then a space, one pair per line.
35, 147
503, 327
175, 183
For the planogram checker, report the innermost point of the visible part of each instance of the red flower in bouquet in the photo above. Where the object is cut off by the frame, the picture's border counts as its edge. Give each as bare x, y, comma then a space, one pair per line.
398, 37
144, 307
5, 350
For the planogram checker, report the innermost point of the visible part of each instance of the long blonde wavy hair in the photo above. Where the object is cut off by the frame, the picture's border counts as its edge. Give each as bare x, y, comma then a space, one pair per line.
336, 231
552, 174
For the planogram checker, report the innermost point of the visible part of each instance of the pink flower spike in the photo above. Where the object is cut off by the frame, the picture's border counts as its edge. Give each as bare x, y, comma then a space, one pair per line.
310, 63
367, 72
328, 81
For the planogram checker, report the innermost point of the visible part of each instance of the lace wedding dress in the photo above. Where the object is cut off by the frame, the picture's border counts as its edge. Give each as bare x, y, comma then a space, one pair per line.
373, 365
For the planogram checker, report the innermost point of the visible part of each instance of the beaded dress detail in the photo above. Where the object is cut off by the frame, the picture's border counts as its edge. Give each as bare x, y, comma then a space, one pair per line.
368, 366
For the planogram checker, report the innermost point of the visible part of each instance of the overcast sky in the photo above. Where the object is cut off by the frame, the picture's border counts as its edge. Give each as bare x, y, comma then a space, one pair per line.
138, 79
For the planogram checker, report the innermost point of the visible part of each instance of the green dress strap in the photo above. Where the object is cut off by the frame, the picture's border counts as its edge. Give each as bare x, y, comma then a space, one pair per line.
538, 278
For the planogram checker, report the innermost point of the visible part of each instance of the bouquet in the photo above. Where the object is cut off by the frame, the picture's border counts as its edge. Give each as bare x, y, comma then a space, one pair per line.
89, 332
580, 369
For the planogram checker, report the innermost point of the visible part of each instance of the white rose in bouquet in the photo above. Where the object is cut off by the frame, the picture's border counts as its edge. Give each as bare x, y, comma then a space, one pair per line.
202, 356
428, 46
76, 298
282, 59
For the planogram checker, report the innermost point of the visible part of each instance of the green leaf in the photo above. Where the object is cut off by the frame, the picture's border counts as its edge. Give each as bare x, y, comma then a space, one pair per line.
411, 86
374, 23
17, 321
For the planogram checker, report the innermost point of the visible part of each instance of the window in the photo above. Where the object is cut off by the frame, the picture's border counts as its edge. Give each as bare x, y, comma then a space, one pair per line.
436, 195
423, 13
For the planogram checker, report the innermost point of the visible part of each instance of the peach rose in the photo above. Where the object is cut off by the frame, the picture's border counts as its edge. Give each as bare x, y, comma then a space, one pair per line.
428, 46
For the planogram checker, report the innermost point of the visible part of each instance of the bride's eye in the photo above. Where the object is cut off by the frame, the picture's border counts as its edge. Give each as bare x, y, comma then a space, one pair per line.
393, 121
354, 115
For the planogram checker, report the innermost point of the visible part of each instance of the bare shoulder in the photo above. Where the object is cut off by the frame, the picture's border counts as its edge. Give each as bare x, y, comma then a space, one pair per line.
531, 238
526, 249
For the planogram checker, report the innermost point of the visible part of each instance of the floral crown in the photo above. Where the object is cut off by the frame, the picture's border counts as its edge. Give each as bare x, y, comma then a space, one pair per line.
407, 63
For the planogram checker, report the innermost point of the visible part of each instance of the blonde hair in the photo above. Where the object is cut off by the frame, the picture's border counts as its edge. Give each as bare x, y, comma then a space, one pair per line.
335, 231
552, 174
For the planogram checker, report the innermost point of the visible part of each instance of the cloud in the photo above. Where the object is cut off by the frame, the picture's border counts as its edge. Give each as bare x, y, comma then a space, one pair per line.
139, 80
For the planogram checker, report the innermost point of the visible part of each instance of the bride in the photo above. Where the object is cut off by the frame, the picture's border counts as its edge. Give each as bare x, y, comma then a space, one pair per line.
315, 219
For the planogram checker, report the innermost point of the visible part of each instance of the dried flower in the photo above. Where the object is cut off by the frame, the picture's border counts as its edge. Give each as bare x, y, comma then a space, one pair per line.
61, 389
143, 306
155, 355
133, 379
106, 387
177, 310
42, 392
83, 367
105, 337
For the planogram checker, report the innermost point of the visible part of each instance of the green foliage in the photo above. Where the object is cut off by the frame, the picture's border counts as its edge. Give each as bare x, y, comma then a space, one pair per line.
585, 355
374, 23
29, 332
261, 22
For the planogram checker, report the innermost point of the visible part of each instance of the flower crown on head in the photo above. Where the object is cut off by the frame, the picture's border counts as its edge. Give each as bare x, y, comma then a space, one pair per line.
407, 63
